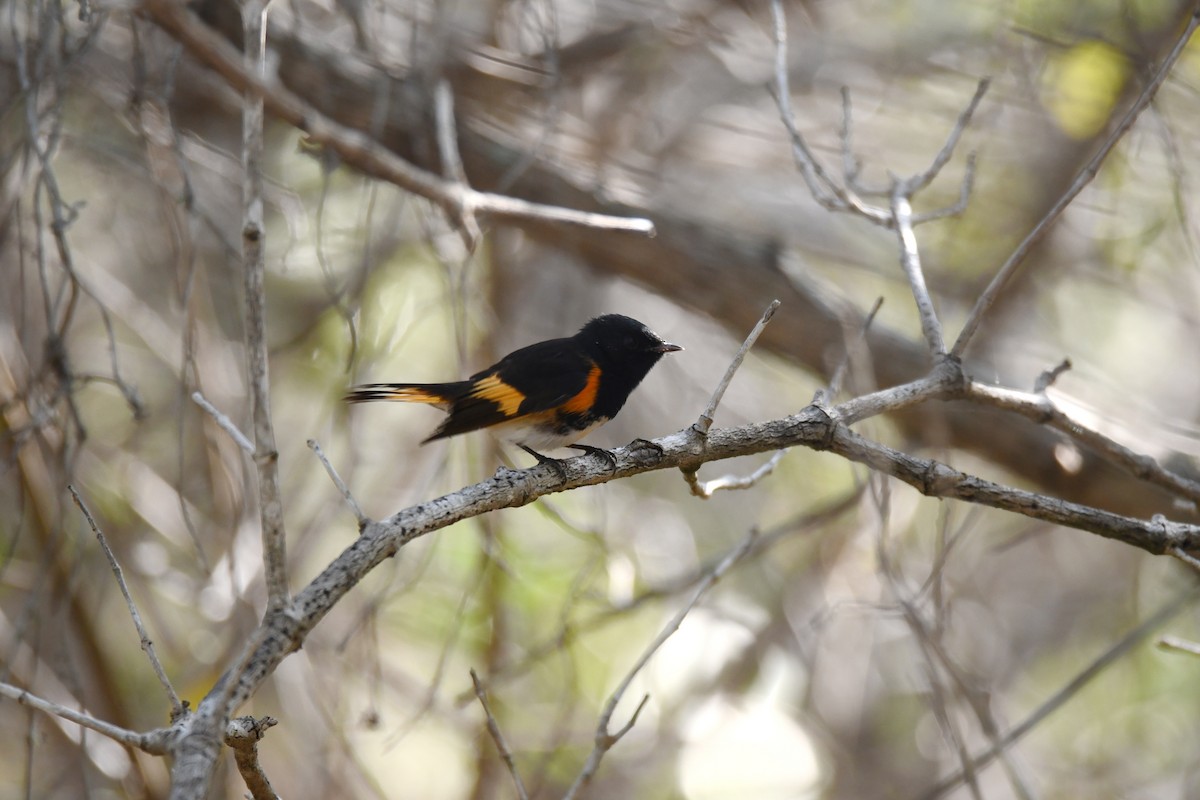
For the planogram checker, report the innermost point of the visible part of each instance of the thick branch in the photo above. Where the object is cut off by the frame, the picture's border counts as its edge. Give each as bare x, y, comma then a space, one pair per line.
813, 427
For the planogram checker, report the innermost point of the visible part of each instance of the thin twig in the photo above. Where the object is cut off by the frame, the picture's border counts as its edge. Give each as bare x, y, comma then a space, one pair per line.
822, 186
851, 168
705, 421
154, 742
826, 395
1187, 558
443, 106
254, 233
1048, 377
1182, 645
910, 261
964, 197
570, 631
1085, 177
921, 180
452, 165
604, 740
362, 518
706, 489
702, 425
902, 217
1056, 701
498, 737
224, 422
936, 658
118, 573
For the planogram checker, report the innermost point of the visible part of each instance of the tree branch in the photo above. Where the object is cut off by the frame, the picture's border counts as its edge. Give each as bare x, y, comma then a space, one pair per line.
1055, 701
1085, 177
498, 737
604, 741
813, 427
147, 645
242, 736
254, 234
154, 742
356, 148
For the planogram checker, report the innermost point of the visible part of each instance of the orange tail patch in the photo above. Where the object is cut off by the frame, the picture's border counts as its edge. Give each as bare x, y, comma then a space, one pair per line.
432, 394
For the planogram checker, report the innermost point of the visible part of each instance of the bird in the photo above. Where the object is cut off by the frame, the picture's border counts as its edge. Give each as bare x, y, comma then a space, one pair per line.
546, 395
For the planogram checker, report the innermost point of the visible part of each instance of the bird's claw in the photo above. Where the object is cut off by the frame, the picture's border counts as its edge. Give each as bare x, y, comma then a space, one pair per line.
646, 444
556, 463
597, 451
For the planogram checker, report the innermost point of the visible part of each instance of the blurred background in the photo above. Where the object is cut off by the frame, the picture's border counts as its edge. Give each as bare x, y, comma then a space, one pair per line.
869, 644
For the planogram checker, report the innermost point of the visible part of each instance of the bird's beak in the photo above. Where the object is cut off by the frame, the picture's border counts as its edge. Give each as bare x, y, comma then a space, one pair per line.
667, 347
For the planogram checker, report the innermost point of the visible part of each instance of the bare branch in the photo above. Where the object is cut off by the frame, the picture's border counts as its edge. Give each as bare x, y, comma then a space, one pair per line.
604, 740
850, 163
200, 740
1048, 377
920, 181
1187, 558
910, 261
242, 735
452, 166
702, 425
823, 188
254, 234
337, 481
1121, 648
706, 489
705, 422
902, 217
357, 149
1044, 411
498, 737
818, 428
443, 106
155, 742
118, 573
964, 196
225, 423
1181, 645
828, 394
569, 631
1085, 177
899, 215
936, 658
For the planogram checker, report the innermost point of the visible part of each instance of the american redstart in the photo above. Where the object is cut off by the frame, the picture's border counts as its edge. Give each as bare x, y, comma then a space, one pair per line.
546, 395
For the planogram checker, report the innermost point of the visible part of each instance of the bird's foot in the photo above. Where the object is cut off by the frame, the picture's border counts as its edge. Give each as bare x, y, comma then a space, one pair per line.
646, 444
556, 463
597, 451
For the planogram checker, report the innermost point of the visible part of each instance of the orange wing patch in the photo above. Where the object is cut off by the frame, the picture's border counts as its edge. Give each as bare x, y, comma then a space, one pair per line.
583, 402
506, 397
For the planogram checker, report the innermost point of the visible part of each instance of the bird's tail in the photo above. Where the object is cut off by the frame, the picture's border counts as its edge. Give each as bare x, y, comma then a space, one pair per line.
442, 395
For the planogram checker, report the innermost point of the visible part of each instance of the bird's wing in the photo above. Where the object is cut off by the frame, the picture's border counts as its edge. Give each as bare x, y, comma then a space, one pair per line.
534, 379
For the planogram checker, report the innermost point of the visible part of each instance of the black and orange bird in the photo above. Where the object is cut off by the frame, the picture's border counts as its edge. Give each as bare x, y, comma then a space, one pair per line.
547, 395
